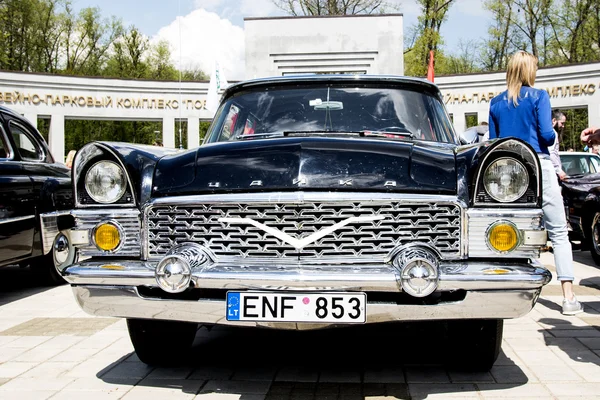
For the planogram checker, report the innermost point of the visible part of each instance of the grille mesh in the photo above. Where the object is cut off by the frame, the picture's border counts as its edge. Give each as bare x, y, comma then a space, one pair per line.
438, 225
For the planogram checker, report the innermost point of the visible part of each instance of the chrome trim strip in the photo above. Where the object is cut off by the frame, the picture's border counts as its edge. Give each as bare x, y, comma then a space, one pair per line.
78, 166
126, 302
49, 228
10, 155
35, 139
86, 221
371, 277
487, 155
528, 221
16, 219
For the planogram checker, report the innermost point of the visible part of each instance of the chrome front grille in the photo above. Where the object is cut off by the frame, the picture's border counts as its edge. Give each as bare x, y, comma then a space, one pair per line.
435, 223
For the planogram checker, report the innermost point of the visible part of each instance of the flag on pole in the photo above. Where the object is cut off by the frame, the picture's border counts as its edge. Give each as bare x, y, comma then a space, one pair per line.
430, 72
218, 82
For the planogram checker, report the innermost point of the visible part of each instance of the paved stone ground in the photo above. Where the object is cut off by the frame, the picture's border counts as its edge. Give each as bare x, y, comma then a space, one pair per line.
51, 349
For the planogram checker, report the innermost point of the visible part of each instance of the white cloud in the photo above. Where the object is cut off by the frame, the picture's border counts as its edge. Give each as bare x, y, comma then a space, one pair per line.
206, 37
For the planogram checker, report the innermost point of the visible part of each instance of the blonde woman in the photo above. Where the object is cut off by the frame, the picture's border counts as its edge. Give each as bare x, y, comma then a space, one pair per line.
524, 112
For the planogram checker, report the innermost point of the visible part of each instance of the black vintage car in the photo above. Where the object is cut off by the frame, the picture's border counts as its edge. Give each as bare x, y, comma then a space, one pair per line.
581, 195
314, 202
32, 185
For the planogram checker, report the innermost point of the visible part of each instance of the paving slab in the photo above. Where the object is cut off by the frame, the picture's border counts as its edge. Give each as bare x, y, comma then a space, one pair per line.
51, 349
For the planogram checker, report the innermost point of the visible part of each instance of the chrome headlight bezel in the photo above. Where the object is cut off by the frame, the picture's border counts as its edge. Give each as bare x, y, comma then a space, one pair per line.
121, 178
488, 152
518, 168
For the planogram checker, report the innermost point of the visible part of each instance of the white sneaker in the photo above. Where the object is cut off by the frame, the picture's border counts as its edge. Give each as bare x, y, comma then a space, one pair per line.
571, 307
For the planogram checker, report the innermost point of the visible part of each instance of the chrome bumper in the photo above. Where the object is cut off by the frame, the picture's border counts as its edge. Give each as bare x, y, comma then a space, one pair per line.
493, 290
126, 302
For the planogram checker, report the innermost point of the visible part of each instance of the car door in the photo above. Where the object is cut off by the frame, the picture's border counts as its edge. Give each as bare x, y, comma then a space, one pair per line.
17, 207
50, 180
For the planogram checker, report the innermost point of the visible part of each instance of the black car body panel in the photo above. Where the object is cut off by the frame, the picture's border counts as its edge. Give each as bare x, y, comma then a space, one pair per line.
310, 164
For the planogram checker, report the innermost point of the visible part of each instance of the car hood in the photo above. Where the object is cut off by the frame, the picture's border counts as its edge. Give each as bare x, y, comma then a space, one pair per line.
331, 164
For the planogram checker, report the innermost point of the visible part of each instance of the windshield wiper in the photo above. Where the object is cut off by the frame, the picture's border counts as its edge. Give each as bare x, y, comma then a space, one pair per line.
387, 134
364, 133
262, 135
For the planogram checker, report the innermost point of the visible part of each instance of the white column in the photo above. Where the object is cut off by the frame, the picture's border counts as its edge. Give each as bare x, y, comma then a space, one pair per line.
594, 115
168, 132
32, 118
193, 132
483, 116
56, 137
459, 122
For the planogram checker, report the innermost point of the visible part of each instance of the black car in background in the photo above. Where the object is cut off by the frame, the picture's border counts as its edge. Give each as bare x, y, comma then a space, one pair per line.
32, 184
581, 195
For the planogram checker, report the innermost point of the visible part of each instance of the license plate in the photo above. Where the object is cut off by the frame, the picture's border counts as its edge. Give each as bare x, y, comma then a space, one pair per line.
297, 307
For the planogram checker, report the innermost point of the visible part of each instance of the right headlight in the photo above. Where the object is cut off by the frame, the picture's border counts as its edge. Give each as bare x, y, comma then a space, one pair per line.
506, 180
105, 182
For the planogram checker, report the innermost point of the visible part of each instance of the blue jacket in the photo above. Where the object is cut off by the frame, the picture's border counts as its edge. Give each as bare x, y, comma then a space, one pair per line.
531, 120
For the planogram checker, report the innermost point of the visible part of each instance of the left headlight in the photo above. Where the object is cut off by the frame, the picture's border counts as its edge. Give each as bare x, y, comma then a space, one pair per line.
105, 182
506, 180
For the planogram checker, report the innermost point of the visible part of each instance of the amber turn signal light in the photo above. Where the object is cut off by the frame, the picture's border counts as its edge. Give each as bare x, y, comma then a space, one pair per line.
503, 236
107, 236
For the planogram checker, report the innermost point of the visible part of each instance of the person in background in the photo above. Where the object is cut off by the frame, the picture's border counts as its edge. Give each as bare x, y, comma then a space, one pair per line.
69, 159
158, 143
524, 112
558, 124
591, 138
483, 131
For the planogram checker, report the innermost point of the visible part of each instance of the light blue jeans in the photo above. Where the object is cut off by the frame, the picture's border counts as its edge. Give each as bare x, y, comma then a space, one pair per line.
556, 221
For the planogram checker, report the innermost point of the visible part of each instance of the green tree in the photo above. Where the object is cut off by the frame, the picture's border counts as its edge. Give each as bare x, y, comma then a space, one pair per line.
159, 59
427, 37
128, 56
332, 7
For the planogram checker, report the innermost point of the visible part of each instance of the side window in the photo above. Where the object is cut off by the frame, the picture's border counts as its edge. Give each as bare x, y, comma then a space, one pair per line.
26, 145
595, 165
4, 149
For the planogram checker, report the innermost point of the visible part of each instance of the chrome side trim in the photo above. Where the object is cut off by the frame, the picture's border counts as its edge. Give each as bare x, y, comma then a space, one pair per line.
10, 154
127, 302
371, 277
49, 228
16, 219
81, 160
528, 221
87, 220
504, 145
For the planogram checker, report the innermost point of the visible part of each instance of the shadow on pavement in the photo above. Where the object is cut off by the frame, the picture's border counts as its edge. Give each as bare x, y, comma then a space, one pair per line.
361, 361
18, 282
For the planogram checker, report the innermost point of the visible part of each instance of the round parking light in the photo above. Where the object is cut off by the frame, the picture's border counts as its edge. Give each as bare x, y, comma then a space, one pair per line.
107, 236
503, 236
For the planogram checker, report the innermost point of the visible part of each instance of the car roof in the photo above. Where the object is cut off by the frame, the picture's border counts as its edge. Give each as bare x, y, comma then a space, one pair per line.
331, 78
11, 112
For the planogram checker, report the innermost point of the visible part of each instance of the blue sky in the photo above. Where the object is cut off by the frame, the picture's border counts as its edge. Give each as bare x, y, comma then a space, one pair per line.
158, 19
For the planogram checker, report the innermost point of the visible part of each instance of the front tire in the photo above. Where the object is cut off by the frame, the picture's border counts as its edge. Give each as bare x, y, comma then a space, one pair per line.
474, 345
593, 238
161, 343
44, 265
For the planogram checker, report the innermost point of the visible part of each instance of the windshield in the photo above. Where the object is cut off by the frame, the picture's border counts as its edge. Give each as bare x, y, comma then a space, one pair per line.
576, 164
394, 113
